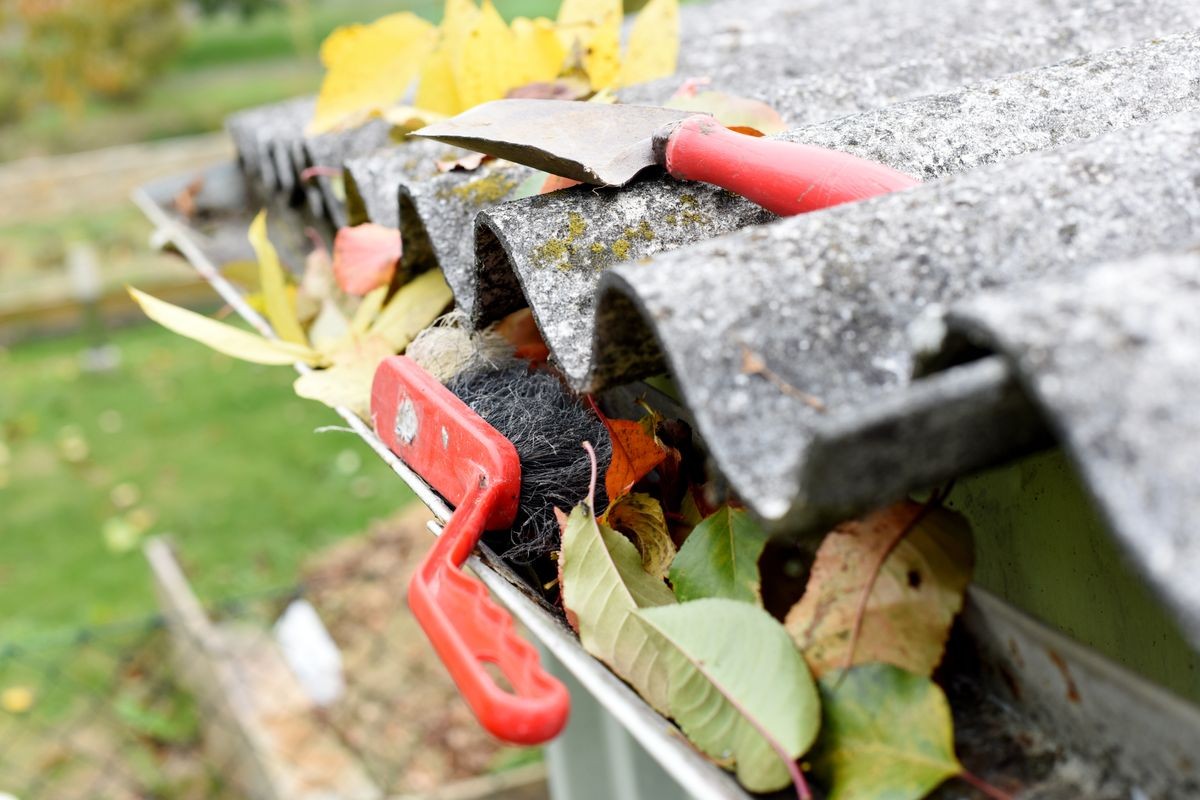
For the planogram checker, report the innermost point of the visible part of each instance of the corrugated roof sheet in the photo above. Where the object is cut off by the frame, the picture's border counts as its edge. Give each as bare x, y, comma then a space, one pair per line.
1112, 356
1033, 172
828, 300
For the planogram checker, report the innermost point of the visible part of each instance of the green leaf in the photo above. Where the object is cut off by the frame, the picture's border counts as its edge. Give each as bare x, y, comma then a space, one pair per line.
281, 311
738, 688
887, 735
641, 517
720, 558
603, 584
221, 337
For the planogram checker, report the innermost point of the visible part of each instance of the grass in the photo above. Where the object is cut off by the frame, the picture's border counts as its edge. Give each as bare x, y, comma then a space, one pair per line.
181, 441
227, 64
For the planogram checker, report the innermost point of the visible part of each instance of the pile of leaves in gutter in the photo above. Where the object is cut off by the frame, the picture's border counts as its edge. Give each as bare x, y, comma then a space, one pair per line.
320, 321
666, 590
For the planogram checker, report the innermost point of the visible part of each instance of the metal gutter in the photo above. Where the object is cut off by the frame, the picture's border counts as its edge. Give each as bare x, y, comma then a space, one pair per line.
658, 736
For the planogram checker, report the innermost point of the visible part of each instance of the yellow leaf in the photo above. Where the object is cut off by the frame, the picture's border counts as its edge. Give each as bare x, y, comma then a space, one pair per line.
653, 43
368, 310
221, 337
590, 31
17, 699
370, 67
436, 88
539, 53
347, 382
485, 65
281, 309
418, 303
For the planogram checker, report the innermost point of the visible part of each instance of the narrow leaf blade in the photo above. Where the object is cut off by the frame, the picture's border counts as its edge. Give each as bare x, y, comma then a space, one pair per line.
418, 303
221, 337
281, 310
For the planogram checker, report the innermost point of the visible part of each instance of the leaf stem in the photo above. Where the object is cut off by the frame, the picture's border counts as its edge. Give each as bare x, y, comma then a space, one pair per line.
979, 783
591, 499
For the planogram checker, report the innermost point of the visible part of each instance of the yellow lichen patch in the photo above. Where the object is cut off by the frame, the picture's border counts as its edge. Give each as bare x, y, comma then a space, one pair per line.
559, 251
642, 231
576, 225
487, 190
620, 249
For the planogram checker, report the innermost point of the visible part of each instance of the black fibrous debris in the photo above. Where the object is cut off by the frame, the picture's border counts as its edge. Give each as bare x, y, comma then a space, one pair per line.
547, 425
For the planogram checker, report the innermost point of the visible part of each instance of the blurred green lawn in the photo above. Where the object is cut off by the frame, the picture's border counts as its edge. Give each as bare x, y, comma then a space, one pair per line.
179, 440
227, 64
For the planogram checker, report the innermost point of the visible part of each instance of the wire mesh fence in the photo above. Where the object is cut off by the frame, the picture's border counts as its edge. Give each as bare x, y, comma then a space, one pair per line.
251, 697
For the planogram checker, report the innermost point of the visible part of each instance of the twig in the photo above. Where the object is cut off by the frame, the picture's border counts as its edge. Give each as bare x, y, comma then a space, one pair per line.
753, 364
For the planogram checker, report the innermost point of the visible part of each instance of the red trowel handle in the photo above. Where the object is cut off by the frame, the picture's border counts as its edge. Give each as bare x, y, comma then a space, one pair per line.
474, 467
468, 630
784, 177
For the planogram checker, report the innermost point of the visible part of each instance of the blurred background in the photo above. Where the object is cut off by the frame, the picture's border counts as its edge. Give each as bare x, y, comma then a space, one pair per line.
114, 431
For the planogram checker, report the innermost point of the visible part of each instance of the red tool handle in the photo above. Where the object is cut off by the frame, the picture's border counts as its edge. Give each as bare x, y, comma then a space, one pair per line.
783, 177
468, 630
473, 466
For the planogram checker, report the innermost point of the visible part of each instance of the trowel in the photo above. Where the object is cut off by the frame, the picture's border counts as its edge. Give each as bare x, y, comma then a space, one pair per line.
609, 144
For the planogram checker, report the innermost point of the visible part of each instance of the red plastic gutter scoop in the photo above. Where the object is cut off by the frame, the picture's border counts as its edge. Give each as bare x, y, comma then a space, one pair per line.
477, 470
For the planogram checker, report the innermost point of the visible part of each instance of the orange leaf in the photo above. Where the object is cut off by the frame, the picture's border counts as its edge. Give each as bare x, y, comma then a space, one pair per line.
365, 257
636, 451
555, 182
520, 330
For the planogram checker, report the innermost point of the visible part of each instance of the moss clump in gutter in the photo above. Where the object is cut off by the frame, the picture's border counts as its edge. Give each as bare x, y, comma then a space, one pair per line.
487, 190
558, 251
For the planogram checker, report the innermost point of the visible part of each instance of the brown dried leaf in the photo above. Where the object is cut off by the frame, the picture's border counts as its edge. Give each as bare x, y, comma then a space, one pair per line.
912, 604
731, 110
640, 517
468, 163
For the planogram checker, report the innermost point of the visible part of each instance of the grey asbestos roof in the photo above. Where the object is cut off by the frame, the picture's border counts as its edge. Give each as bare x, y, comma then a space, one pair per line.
838, 359
1111, 356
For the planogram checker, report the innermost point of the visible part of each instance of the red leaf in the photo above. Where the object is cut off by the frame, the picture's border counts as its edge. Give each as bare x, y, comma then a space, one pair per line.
365, 257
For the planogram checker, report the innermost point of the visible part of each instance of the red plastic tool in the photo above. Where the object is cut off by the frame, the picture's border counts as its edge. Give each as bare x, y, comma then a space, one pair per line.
786, 178
477, 470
